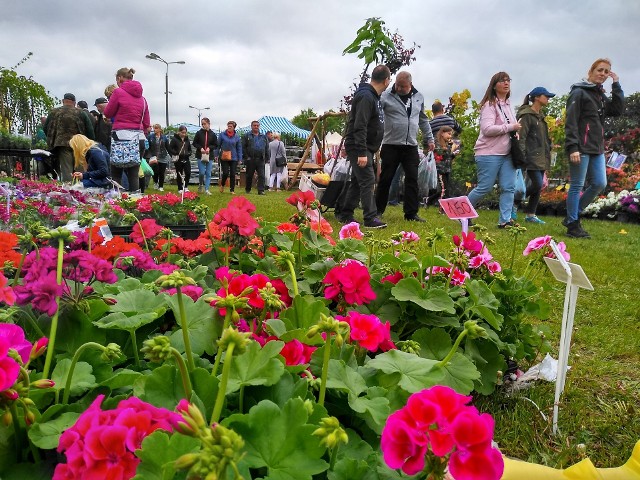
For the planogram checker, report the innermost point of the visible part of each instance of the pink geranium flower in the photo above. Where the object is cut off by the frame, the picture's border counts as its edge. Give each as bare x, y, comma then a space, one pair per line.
350, 281
537, 244
150, 228
368, 331
438, 422
14, 336
9, 368
351, 230
297, 353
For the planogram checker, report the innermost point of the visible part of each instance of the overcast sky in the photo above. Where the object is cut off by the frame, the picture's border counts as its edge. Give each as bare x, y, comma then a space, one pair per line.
248, 58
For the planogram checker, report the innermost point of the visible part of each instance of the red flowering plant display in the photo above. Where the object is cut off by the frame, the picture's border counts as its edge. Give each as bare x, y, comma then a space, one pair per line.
166, 209
437, 429
282, 347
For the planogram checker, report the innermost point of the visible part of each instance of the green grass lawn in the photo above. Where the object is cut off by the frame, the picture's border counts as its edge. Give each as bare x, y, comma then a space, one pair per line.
602, 396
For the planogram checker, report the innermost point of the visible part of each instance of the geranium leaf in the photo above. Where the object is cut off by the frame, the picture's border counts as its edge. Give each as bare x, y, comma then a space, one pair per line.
140, 300
434, 261
289, 386
488, 360
159, 452
433, 300
350, 248
120, 379
204, 329
256, 366
20, 471
344, 378
416, 373
373, 407
280, 440
315, 241
205, 387
47, 435
304, 312
162, 387
76, 330
121, 321
81, 381
315, 272
460, 372
484, 303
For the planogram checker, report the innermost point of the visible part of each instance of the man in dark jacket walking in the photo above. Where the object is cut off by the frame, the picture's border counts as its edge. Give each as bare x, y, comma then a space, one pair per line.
102, 124
365, 129
255, 149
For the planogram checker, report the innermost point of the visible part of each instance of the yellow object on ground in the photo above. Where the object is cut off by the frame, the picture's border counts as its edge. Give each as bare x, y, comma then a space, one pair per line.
584, 470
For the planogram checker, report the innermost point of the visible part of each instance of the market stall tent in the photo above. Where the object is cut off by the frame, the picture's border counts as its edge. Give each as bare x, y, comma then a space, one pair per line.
277, 124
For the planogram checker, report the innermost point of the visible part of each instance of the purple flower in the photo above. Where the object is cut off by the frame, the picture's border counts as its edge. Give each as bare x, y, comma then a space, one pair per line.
41, 293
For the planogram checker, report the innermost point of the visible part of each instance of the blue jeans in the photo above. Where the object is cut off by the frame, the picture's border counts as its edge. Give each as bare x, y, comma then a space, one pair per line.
489, 168
593, 169
204, 173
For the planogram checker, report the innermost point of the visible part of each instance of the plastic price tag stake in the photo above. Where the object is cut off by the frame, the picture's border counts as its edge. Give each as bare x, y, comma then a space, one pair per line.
458, 208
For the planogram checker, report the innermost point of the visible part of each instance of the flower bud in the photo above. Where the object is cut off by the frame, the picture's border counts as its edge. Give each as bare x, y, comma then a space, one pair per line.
43, 383
157, 349
7, 418
331, 433
239, 339
186, 461
29, 417
38, 348
111, 352
10, 394
474, 330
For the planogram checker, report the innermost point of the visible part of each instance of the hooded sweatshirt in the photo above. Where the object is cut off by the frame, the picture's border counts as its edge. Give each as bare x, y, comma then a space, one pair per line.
534, 139
365, 124
587, 107
128, 108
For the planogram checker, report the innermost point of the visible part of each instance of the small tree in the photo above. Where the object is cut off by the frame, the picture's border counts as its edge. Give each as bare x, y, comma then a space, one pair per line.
377, 45
22, 100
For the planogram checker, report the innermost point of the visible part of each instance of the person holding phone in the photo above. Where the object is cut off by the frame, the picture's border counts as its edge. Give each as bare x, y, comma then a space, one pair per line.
587, 107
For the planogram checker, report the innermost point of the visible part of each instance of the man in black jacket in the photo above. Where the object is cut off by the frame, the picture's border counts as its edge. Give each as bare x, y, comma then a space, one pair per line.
255, 150
365, 128
102, 124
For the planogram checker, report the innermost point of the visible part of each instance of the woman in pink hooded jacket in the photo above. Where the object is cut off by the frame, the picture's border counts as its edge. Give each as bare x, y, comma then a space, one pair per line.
129, 113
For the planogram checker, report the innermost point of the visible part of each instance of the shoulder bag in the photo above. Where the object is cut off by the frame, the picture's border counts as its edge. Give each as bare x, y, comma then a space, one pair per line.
281, 160
126, 153
205, 156
517, 155
176, 158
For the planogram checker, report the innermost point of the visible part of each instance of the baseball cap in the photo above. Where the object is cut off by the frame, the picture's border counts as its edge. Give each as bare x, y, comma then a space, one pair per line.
69, 96
536, 92
100, 101
83, 104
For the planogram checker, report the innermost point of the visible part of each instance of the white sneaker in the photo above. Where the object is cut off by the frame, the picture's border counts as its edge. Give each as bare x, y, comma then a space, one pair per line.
160, 189
207, 192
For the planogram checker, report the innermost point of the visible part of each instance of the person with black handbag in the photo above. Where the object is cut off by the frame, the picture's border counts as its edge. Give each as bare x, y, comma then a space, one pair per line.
277, 162
493, 149
180, 150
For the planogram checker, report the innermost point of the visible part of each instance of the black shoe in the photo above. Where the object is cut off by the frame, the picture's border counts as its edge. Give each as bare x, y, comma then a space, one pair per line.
375, 223
565, 222
510, 223
415, 218
575, 230
345, 220
260, 193
247, 192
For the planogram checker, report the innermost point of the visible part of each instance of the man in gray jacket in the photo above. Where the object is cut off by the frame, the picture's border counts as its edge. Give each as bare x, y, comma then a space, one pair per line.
404, 114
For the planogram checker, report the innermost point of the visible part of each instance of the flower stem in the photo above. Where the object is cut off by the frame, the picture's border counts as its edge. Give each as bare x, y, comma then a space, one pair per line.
325, 369
144, 237
334, 457
292, 272
72, 367
90, 236
17, 431
54, 319
134, 342
19, 269
453, 350
241, 399
186, 380
513, 251
222, 386
185, 330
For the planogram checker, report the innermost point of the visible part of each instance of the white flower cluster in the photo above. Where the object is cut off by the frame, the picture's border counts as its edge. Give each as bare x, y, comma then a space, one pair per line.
610, 202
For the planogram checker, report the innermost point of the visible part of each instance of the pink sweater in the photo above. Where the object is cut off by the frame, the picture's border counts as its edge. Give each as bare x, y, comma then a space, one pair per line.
494, 136
128, 108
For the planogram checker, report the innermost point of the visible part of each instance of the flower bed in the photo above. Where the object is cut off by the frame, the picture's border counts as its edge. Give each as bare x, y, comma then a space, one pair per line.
257, 350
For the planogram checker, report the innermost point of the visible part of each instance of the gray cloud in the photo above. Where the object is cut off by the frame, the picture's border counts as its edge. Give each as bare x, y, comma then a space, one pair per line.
249, 58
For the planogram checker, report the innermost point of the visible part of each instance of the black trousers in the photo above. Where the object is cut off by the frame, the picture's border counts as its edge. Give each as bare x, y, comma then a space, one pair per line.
183, 173
159, 171
363, 180
255, 165
228, 171
392, 156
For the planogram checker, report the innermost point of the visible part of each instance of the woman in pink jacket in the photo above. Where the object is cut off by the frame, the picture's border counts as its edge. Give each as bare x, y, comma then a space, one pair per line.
129, 113
493, 157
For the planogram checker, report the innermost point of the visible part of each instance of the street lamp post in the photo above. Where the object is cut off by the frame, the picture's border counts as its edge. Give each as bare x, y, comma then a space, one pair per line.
155, 56
199, 111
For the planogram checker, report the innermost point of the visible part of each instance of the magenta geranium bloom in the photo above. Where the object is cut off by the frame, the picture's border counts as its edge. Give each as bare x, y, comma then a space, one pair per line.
368, 331
350, 281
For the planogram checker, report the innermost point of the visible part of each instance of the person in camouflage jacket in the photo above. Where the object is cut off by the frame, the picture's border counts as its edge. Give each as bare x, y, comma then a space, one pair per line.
63, 123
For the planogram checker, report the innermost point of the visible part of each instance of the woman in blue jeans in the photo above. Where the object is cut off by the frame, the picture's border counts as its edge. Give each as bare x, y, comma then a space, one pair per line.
204, 144
587, 107
492, 149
